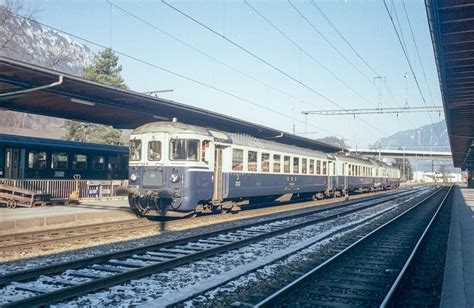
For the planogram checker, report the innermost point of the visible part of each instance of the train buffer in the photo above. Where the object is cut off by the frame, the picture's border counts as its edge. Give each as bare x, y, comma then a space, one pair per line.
12, 197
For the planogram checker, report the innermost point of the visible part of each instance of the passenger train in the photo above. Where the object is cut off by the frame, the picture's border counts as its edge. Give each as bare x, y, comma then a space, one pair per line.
23, 157
175, 168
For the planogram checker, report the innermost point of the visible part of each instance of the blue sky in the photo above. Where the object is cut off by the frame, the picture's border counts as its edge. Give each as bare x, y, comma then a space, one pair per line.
365, 24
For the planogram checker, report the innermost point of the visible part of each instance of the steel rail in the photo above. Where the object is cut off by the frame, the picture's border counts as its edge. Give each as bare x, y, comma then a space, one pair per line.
38, 238
57, 268
277, 297
396, 283
99, 229
113, 279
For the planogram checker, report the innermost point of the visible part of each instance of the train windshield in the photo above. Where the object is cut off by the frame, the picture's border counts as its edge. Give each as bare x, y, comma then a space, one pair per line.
135, 149
154, 150
184, 149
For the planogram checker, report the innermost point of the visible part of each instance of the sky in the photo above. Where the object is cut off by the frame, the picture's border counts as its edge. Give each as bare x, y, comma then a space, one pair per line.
292, 65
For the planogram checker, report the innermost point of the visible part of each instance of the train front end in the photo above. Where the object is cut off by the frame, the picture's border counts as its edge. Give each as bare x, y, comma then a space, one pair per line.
162, 163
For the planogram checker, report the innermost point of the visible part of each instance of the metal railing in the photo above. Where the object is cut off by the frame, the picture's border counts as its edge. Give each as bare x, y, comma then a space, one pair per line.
62, 189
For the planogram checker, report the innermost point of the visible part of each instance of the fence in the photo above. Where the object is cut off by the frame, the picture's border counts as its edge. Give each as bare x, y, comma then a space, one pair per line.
62, 189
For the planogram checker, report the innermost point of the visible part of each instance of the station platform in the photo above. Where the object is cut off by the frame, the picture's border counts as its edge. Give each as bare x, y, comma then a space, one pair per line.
458, 290
51, 217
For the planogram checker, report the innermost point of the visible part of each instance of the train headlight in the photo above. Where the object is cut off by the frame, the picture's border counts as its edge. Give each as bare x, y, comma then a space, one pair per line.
133, 177
175, 178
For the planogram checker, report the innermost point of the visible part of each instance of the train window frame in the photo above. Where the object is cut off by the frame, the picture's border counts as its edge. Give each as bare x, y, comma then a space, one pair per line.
296, 167
33, 164
324, 167
198, 149
252, 166
94, 163
133, 147
149, 150
265, 162
110, 168
318, 167
276, 162
53, 161
312, 168
74, 162
304, 166
241, 165
286, 159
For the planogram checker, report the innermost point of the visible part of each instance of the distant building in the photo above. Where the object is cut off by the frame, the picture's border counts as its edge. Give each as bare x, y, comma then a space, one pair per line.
432, 177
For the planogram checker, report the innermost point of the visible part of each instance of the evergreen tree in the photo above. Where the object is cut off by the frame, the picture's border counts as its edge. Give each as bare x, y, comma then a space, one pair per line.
408, 168
104, 70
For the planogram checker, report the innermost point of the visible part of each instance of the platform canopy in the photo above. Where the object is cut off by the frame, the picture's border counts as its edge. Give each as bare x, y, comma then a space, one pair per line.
33, 89
452, 32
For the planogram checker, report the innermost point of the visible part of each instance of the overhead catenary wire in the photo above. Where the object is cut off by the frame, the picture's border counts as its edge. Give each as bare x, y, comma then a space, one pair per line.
328, 20
329, 42
411, 67
205, 54
236, 96
339, 33
418, 53
259, 58
303, 50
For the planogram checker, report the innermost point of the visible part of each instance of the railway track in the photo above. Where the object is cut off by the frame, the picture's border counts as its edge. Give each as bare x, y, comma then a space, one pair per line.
367, 272
71, 279
45, 240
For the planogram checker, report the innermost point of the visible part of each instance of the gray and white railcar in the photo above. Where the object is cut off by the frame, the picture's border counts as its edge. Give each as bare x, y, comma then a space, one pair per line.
183, 168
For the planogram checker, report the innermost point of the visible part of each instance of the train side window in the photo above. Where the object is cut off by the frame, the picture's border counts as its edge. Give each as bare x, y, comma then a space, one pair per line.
318, 167
265, 162
154, 150
325, 170
98, 163
184, 149
237, 160
114, 163
252, 161
135, 149
37, 160
79, 162
286, 164
296, 165
311, 166
304, 168
59, 161
276, 163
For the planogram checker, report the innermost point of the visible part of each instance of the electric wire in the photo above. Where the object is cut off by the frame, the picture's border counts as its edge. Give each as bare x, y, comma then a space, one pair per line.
328, 41
418, 53
249, 52
333, 26
200, 51
287, 37
411, 67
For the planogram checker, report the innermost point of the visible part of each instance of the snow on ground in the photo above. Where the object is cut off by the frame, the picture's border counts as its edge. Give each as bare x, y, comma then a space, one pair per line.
204, 274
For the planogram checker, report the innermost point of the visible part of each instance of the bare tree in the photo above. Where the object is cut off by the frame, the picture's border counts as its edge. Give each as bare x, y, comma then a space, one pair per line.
10, 24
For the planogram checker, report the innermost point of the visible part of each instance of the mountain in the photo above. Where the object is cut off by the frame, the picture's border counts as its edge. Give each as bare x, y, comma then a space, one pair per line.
424, 138
28, 41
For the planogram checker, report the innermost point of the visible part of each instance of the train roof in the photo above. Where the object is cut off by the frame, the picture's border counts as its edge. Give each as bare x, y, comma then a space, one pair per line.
16, 140
225, 137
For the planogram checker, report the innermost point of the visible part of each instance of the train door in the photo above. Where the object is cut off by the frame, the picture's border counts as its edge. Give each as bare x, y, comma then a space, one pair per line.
218, 187
346, 177
12, 163
330, 175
